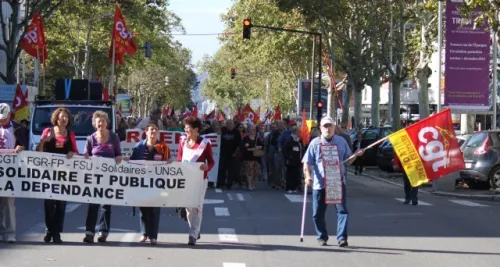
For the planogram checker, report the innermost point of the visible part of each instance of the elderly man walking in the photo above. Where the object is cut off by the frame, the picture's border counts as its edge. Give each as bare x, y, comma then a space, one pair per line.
328, 151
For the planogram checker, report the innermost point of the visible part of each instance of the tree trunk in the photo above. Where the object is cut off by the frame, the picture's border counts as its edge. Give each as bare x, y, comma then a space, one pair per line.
345, 111
357, 108
423, 93
396, 103
375, 108
331, 110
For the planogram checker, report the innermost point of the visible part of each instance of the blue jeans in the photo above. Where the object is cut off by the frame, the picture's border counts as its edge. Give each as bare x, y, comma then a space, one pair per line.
319, 211
150, 221
104, 220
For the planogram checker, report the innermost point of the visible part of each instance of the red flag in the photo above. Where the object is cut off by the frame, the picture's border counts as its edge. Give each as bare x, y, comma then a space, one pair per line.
20, 107
34, 40
239, 115
304, 131
277, 114
195, 111
165, 111
428, 149
122, 38
211, 115
220, 117
105, 94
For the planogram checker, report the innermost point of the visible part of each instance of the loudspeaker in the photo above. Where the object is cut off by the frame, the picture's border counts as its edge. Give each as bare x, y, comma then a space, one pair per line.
79, 89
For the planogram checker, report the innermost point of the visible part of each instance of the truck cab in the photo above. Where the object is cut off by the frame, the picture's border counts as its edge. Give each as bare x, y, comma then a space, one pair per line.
81, 118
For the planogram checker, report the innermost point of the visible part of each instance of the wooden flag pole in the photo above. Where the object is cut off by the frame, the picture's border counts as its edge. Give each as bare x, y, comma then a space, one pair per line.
364, 149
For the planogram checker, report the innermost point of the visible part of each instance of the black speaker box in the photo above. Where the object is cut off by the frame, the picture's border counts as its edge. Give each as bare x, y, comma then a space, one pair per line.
79, 90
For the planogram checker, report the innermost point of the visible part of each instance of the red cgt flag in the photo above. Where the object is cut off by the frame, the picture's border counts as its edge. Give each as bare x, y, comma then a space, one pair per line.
304, 131
277, 114
428, 149
34, 40
122, 39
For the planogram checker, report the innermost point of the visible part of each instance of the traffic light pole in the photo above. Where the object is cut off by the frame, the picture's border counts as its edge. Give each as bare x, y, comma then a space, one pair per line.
319, 110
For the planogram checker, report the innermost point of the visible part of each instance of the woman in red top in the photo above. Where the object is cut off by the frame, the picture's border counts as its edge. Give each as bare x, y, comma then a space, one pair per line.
194, 148
59, 140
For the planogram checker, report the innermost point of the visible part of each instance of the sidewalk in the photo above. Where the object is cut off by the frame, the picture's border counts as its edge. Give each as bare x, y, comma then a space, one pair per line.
396, 179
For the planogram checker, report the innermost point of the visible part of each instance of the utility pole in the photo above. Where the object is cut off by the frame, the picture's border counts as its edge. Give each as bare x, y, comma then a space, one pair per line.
495, 69
440, 52
312, 79
389, 99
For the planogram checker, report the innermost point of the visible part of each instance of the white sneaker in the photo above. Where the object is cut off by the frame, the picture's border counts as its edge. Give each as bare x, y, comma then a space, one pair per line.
11, 239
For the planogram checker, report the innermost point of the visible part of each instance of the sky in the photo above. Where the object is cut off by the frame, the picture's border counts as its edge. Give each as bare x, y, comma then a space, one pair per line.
200, 16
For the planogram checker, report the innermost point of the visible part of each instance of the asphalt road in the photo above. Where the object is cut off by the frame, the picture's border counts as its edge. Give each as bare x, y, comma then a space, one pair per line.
262, 228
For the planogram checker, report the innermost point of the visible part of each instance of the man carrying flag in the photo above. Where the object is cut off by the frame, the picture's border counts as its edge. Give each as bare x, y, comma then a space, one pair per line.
326, 155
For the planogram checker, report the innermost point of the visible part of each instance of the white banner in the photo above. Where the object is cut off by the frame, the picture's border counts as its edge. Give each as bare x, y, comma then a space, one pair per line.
100, 180
172, 139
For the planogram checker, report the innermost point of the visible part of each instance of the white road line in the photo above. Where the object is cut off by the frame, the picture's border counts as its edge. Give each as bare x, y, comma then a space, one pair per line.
420, 203
213, 201
227, 235
296, 198
240, 197
218, 190
468, 203
220, 211
36, 230
233, 264
72, 207
127, 239
230, 196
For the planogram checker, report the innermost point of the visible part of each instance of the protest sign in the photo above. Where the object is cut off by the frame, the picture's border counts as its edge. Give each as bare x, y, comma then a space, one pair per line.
172, 139
100, 180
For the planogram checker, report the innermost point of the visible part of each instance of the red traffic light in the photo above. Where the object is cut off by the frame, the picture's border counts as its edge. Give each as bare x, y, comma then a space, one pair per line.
319, 104
233, 73
233, 70
247, 23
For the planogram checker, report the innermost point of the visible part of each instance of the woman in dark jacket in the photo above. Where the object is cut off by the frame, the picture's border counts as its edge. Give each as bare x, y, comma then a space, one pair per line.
357, 145
150, 149
59, 140
293, 150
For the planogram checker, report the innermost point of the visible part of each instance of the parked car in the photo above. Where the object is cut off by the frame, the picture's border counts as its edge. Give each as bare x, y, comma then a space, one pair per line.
385, 155
481, 155
370, 136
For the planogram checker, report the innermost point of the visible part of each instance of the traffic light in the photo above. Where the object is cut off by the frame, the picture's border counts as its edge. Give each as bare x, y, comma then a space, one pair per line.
247, 25
147, 47
233, 73
319, 105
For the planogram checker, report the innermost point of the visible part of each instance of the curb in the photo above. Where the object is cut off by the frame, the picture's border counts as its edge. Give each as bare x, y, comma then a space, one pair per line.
389, 182
467, 196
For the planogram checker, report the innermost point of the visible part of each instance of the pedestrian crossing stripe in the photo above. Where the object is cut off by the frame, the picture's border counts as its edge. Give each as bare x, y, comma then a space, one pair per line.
296, 198
421, 203
467, 203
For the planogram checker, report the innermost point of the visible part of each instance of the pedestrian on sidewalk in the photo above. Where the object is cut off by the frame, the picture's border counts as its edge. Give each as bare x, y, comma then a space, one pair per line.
57, 139
315, 176
150, 149
357, 145
13, 136
411, 193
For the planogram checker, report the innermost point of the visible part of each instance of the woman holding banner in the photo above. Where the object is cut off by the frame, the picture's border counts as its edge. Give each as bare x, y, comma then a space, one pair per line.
150, 149
57, 139
106, 144
194, 148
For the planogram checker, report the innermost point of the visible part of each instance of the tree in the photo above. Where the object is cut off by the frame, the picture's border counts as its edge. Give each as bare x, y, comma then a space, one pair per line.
14, 26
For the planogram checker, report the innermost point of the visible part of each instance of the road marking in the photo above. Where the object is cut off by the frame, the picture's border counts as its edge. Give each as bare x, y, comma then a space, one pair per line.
227, 235
127, 239
233, 264
219, 211
393, 215
421, 203
240, 197
36, 230
468, 203
213, 201
111, 230
218, 190
230, 196
72, 207
296, 198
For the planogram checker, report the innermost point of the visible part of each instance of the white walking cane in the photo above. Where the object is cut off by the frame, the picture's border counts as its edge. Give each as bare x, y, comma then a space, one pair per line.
303, 213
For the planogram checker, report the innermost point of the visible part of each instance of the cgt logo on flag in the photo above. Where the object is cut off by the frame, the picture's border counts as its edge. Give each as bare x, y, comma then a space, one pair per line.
429, 149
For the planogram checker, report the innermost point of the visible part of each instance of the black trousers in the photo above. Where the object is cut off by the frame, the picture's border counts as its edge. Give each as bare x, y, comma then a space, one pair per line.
358, 165
104, 220
229, 174
293, 176
410, 192
55, 210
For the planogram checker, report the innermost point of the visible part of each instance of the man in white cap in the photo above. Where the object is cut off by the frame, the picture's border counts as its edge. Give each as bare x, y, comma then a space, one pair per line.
12, 136
314, 173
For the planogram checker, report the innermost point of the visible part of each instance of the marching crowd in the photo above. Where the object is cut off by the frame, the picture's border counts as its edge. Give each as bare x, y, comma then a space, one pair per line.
273, 153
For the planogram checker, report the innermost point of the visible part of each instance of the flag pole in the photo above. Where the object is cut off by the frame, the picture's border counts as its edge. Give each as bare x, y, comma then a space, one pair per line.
24, 67
37, 66
112, 79
43, 68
